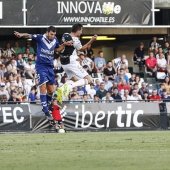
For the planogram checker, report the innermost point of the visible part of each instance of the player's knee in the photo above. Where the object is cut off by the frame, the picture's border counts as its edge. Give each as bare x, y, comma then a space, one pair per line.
42, 89
50, 92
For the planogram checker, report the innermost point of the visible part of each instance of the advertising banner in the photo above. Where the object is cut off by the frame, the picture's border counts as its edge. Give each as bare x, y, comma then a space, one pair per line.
11, 12
14, 117
115, 12
102, 116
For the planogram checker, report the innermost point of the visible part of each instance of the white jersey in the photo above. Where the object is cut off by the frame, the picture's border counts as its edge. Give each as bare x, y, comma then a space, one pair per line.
69, 53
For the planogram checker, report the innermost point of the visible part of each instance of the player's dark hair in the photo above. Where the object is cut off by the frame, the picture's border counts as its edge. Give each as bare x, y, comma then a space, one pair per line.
76, 27
51, 28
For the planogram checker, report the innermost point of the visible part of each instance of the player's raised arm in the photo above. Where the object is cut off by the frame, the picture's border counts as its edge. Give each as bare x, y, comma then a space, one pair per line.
89, 43
22, 35
62, 46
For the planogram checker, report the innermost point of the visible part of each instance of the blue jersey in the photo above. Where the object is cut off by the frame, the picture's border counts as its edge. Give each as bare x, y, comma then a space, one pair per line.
45, 49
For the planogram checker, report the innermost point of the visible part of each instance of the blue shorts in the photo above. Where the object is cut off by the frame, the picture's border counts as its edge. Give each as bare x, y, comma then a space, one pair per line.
45, 74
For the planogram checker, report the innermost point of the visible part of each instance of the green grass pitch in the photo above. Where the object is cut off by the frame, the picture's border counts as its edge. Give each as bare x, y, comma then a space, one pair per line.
136, 150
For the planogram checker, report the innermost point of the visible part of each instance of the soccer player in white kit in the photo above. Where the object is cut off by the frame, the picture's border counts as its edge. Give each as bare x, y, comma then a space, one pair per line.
68, 58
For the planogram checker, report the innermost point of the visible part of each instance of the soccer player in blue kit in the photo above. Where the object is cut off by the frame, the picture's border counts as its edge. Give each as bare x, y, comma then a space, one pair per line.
47, 44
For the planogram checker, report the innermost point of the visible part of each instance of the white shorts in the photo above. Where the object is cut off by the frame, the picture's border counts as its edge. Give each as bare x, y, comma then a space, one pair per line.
74, 69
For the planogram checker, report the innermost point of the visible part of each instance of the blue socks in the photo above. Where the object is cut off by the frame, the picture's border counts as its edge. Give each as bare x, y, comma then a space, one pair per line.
44, 102
49, 98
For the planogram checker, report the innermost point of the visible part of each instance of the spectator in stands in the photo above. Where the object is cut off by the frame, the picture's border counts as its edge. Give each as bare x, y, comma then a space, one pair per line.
74, 91
97, 86
107, 83
167, 84
11, 87
160, 52
132, 80
20, 93
31, 57
134, 87
139, 80
87, 61
13, 66
25, 85
96, 99
139, 55
2, 71
57, 66
125, 96
100, 63
1, 54
4, 99
120, 61
116, 95
32, 96
91, 92
20, 63
30, 69
123, 86
26, 54
161, 63
110, 71
24, 99
28, 45
73, 98
154, 45
3, 90
121, 76
85, 98
101, 92
146, 97
13, 99
7, 73
151, 63
155, 97
168, 57
9, 51
16, 48
143, 89
166, 49
115, 84
135, 97
89, 52
107, 98
161, 88
81, 90
165, 97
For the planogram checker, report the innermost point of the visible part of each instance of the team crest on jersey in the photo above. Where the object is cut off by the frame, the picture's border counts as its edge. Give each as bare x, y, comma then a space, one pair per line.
35, 35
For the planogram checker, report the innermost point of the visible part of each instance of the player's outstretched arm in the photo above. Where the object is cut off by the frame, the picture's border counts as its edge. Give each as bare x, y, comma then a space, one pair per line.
22, 35
60, 48
89, 43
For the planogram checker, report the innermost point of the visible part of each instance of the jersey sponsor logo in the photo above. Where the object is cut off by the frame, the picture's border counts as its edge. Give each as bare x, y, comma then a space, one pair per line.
48, 57
47, 51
